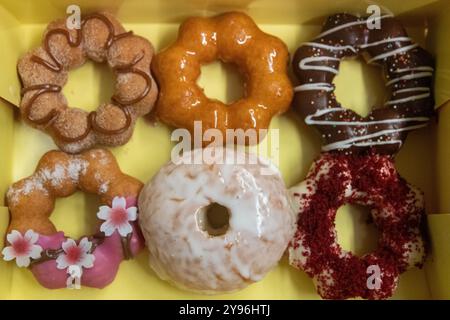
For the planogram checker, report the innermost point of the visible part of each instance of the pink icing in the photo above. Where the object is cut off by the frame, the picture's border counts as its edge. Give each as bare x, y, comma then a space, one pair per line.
131, 202
107, 259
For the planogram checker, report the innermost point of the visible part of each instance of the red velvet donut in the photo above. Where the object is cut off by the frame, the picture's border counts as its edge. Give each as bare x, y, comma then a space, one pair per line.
396, 208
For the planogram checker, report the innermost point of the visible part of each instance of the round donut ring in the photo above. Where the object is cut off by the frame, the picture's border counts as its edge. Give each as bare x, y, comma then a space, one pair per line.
50, 254
397, 211
186, 249
232, 38
408, 71
44, 71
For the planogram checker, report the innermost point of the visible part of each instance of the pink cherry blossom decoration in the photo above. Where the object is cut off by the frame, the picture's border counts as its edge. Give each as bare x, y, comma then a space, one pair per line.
117, 217
76, 254
22, 248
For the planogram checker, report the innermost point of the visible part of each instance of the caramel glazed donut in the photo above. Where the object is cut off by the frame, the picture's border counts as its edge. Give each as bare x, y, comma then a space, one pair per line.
233, 38
408, 70
44, 71
194, 253
33, 241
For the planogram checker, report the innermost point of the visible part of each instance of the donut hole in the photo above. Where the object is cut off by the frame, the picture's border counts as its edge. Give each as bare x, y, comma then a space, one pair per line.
95, 78
221, 81
360, 86
76, 215
214, 219
355, 230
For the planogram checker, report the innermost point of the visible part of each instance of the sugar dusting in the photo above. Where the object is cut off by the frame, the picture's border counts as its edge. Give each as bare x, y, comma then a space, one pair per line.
59, 173
33, 184
54, 176
103, 185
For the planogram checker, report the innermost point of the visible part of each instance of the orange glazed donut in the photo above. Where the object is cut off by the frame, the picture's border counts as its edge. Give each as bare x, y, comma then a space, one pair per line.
32, 239
44, 71
232, 38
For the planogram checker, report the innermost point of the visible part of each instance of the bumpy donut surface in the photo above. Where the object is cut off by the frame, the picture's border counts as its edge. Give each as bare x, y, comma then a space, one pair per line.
408, 70
32, 200
397, 210
172, 218
43, 73
232, 38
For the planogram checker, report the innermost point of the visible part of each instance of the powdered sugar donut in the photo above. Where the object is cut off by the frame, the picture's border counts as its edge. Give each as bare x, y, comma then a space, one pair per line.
179, 209
397, 210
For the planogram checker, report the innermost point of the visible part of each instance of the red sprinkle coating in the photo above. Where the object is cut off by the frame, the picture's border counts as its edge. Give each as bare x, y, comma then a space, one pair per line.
397, 211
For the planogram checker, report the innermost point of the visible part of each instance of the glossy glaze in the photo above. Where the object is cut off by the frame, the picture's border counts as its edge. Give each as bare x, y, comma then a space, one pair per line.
232, 38
260, 224
408, 71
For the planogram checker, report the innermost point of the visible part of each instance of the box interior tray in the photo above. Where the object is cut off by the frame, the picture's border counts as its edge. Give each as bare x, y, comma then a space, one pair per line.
358, 87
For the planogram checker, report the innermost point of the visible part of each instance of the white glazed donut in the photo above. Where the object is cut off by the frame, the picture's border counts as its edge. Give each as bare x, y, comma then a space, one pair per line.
173, 220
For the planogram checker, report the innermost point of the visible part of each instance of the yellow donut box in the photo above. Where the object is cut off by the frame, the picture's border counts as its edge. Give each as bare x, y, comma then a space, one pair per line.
424, 159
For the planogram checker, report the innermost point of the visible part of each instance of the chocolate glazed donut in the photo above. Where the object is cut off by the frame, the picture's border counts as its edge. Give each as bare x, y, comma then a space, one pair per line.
408, 72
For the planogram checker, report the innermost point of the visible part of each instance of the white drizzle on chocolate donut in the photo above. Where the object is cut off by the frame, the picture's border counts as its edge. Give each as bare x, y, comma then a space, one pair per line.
408, 68
348, 25
384, 41
321, 86
344, 144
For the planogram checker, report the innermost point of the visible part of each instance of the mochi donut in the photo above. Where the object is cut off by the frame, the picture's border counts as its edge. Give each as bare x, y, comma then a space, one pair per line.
191, 250
408, 71
397, 210
43, 72
52, 256
231, 37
